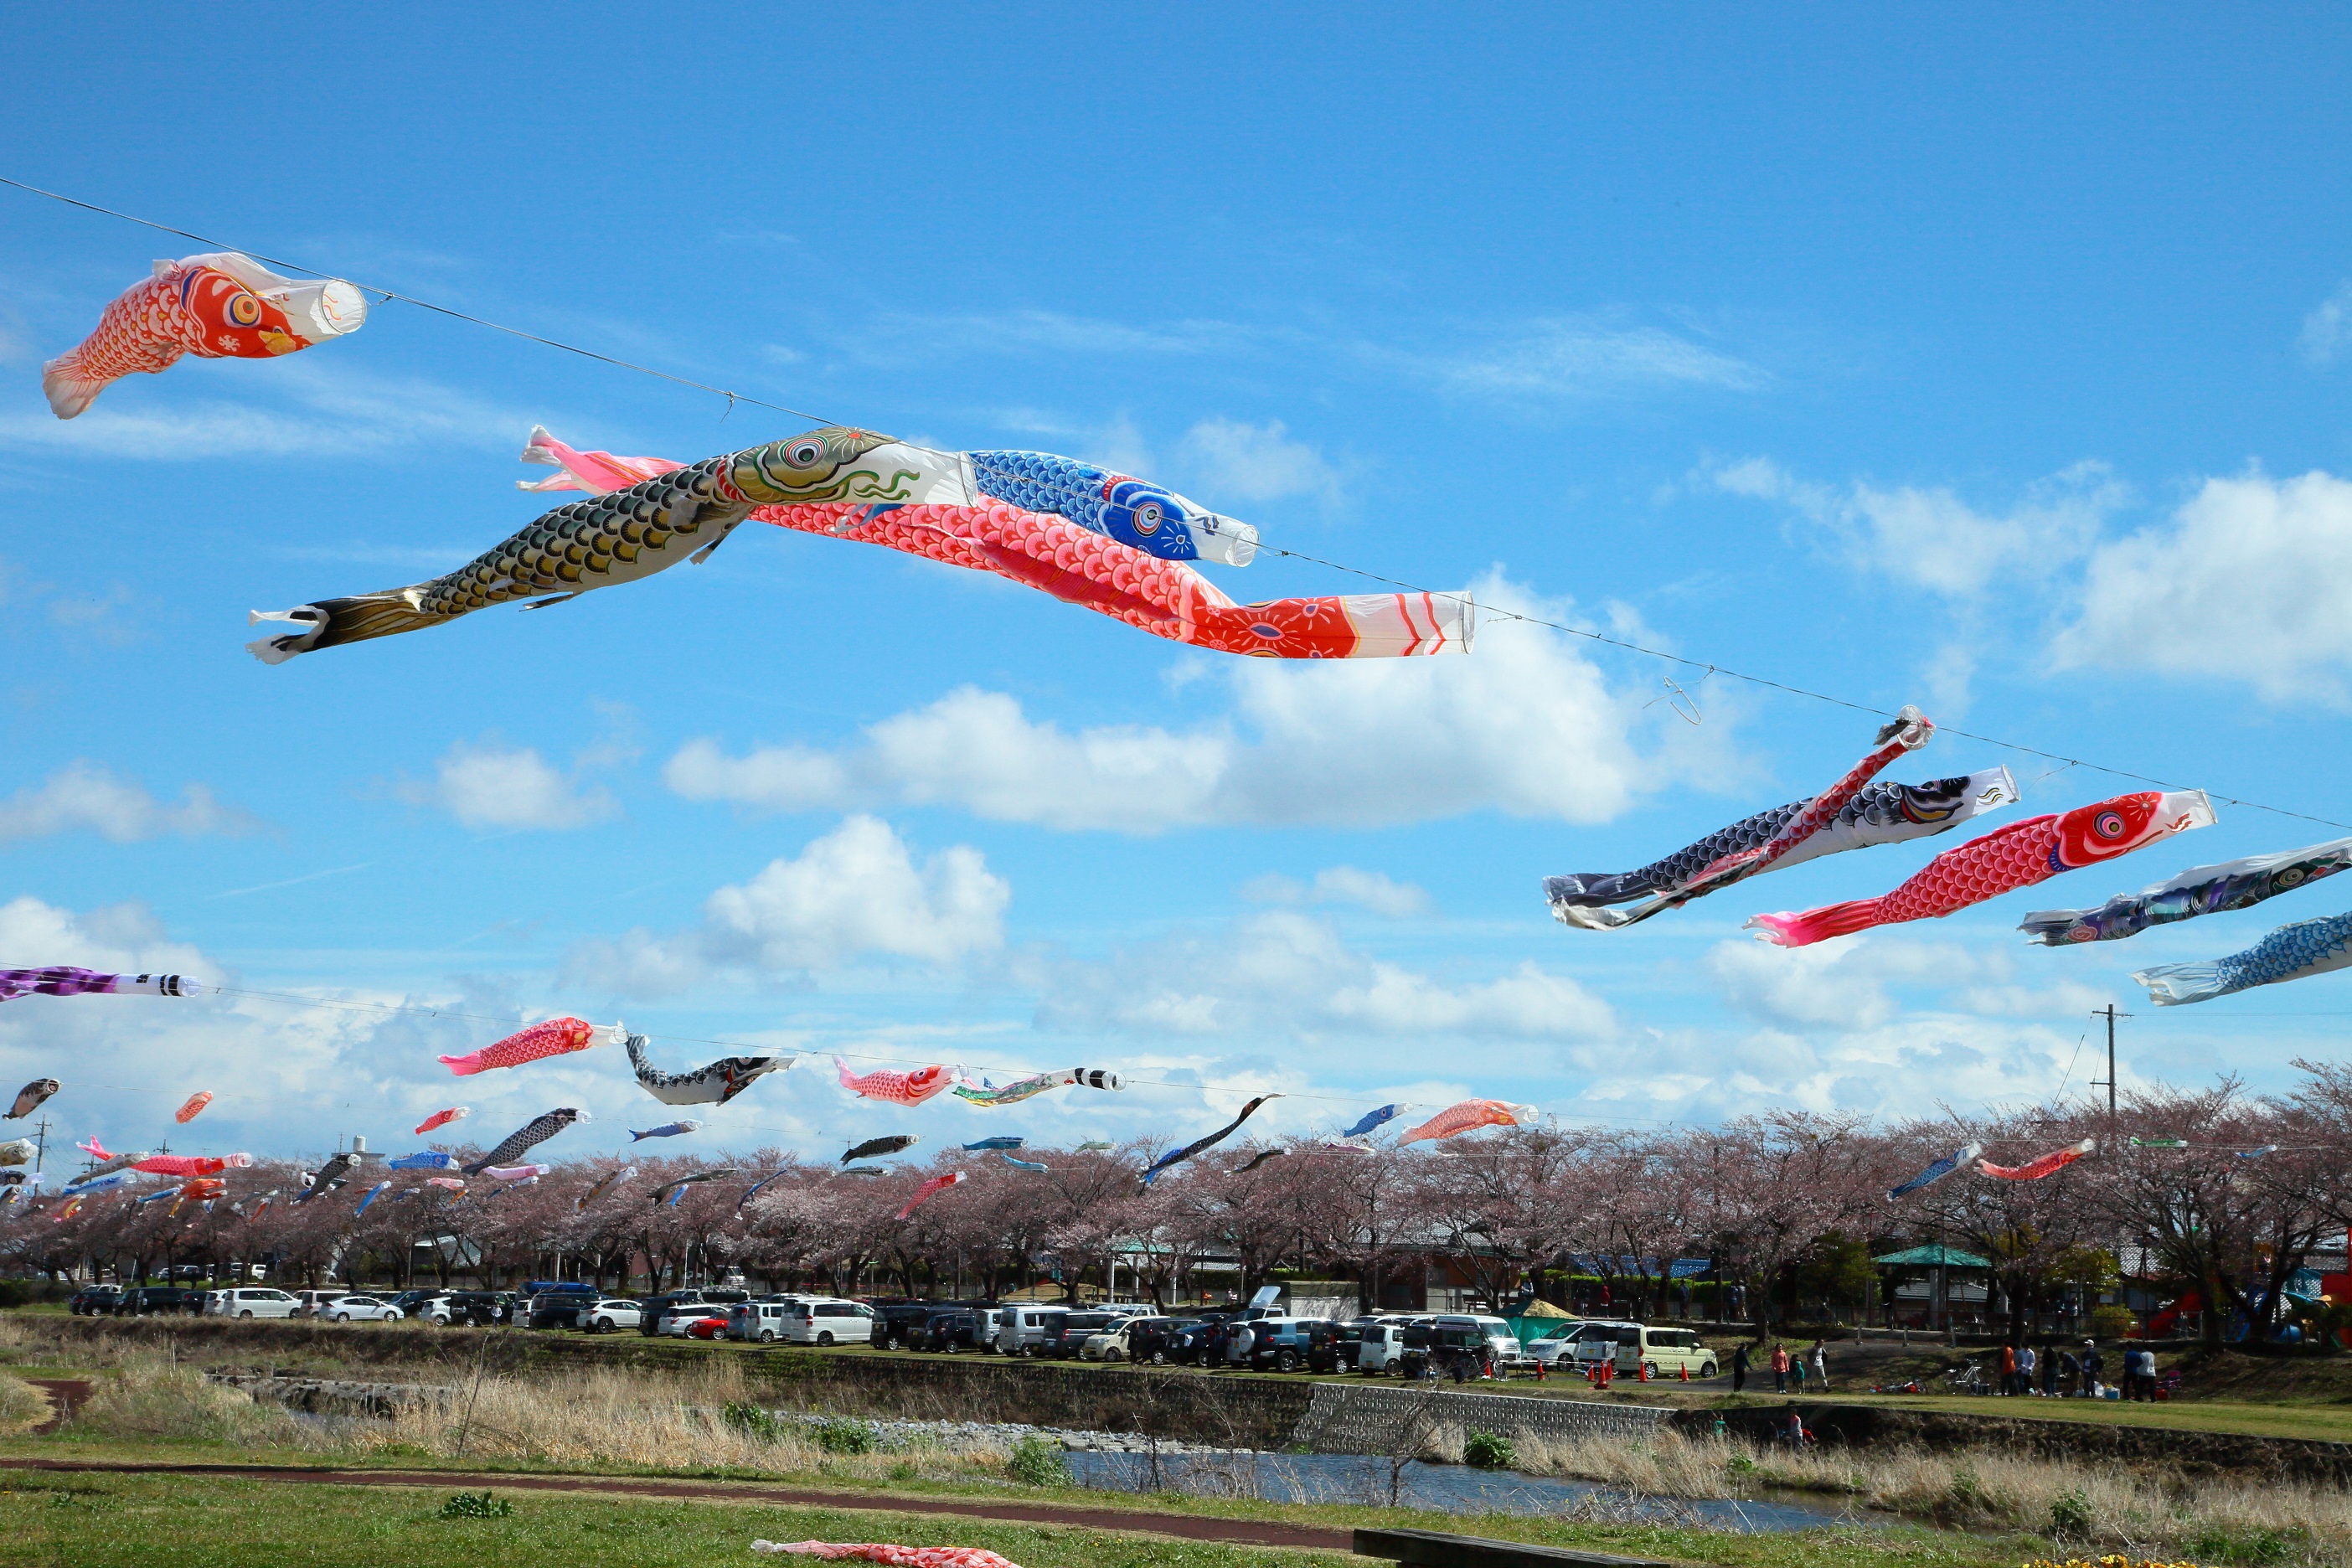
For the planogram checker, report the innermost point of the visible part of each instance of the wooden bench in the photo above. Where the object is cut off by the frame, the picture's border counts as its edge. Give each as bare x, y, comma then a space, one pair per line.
1429, 1549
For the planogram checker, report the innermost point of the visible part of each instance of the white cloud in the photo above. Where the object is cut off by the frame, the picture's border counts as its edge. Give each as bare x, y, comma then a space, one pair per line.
1525, 726
2327, 330
1931, 539
854, 893
2246, 581
1280, 973
1368, 890
1253, 463
1588, 355
488, 785
83, 797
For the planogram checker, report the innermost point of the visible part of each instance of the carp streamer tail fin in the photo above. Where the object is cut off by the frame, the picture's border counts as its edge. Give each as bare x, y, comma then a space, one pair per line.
1815, 925
332, 621
2172, 985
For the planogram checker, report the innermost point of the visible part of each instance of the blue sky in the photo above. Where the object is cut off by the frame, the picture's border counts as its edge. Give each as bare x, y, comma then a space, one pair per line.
2002, 364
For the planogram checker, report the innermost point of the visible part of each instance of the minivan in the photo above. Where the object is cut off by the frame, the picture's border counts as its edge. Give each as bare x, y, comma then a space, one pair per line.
828, 1322
1663, 1352
763, 1321
253, 1302
1373, 1345
1022, 1331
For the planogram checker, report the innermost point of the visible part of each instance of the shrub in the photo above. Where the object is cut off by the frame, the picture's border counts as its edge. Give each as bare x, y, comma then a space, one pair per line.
2113, 1322
756, 1419
1037, 1461
1486, 1451
476, 1505
844, 1437
2070, 1514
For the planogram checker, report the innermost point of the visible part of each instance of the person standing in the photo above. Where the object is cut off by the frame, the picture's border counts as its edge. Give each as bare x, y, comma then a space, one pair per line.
1797, 1372
2008, 1370
2049, 1368
2092, 1367
2025, 1369
1779, 1369
1738, 1368
1822, 1364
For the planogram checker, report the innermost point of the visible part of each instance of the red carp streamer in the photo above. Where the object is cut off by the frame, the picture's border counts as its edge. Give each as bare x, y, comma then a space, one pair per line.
2002, 861
894, 1556
192, 1164
936, 1185
555, 1038
443, 1118
2034, 1170
904, 1087
1468, 1115
196, 1103
215, 307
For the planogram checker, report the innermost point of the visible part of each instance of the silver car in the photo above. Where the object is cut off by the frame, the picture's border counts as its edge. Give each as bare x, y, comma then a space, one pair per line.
363, 1310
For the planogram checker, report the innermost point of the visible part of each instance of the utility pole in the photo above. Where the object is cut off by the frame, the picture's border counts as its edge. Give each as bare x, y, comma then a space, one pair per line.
41, 1146
2110, 1015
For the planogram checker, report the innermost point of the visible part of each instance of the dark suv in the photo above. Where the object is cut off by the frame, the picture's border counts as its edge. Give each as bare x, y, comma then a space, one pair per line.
959, 1329
900, 1323
93, 1301
147, 1299
561, 1308
482, 1309
1066, 1338
1154, 1340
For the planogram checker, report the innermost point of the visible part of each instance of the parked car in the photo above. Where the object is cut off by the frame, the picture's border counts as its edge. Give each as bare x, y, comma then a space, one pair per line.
958, 1329
1662, 1352
1022, 1330
760, 1322
419, 1304
609, 1314
363, 1310
1197, 1345
1597, 1341
94, 1301
650, 1310
477, 1309
828, 1321
1286, 1344
143, 1299
710, 1328
1371, 1346
895, 1321
310, 1303
560, 1309
1143, 1339
1066, 1338
252, 1302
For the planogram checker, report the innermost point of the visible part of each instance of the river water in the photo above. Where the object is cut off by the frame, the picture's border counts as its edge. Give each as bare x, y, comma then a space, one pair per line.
1445, 1489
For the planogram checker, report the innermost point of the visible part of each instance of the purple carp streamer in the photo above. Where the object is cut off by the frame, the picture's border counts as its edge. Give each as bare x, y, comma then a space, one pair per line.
1908, 732
64, 980
2199, 890
529, 1135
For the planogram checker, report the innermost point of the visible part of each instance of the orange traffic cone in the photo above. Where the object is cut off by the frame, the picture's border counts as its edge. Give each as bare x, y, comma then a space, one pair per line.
1645, 1371
1685, 1371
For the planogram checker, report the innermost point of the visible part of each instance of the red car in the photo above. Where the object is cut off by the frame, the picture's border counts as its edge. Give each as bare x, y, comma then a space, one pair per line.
708, 1328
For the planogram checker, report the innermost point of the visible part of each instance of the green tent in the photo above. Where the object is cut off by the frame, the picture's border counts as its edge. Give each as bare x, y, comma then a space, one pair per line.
1934, 1257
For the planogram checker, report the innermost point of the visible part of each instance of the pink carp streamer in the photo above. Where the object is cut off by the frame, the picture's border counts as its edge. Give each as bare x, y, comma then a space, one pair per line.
893, 1556
215, 307
936, 1185
443, 1118
2034, 1170
2002, 861
554, 1037
1079, 566
902, 1088
64, 980
1469, 1115
195, 1103
449, 1183
516, 1172
192, 1164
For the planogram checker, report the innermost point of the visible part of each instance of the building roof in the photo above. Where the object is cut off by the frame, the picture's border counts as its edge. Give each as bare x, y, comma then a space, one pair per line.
1931, 1257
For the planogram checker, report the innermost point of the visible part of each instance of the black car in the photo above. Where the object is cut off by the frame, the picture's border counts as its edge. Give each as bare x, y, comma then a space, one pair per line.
150, 1298
1189, 1346
94, 1301
898, 1325
650, 1310
1065, 1339
1154, 1340
415, 1303
960, 1329
561, 1308
481, 1309
1286, 1347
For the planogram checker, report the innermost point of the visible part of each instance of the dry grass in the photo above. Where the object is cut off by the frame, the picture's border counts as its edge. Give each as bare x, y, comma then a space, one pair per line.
154, 1396
22, 1406
627, 1419
2107, 1506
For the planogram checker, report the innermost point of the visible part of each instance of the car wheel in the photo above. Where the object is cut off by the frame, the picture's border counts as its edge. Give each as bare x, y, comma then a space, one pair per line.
1650, 1370
894, 1344
342, 1317
767, 1336
1707, 1371
601, 1326
1160, 1358
245, 1314
825, 1338
1284, 1361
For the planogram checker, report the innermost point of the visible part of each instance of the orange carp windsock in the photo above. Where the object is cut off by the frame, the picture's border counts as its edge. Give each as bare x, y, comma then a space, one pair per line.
443, 1118
222, 306
2034, 1170
555, 1038
195, 1103
903, 1088
936, 1185
1469, 1115
192, 1164
890, 1555
203, 1191
2002, 861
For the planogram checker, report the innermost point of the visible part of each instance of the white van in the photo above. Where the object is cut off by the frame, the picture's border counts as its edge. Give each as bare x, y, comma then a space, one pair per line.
1378, 1344
827, 1322
761, 1321
250, 1302
1020, 1330
1597, 1339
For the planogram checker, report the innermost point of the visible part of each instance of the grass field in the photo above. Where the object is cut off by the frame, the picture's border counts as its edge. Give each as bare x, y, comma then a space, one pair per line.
124, 1521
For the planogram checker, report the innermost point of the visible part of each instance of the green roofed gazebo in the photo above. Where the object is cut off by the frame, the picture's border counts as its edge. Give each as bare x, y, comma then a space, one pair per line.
1937, 1257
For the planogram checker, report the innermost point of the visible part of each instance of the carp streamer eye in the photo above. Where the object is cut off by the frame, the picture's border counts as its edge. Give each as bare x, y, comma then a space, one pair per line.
242, 310
804, 454
1147, 517
2108, 825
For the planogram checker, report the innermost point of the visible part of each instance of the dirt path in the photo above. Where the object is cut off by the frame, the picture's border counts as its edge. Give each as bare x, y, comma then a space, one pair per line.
1189, 1527
67, 1395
